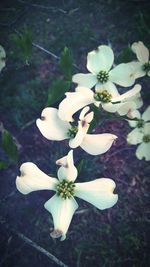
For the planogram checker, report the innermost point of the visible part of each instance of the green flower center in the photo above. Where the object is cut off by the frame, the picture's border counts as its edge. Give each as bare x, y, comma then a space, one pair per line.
103, 96
146, 138
103, 76
146, 66
72, 131
140, 123
65, 189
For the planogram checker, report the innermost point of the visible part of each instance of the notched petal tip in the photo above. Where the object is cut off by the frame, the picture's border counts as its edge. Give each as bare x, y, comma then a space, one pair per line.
56, 233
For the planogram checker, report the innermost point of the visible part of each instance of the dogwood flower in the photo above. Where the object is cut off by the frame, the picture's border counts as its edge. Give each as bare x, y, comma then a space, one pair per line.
110, 102
53, 128
99, 63
2, 58
142, 66
143, 139
63, 205
138, 120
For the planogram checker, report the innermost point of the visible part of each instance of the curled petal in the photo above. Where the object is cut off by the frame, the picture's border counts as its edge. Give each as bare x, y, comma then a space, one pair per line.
78, 139
146, 114
96, 144
122, 75
33, 179
100, 59
62, 211
141, 51
135, 137
137, 69
129, 95
51, 126
67, 170
87, 118
143, 151
98, 192
74, 102
88, 80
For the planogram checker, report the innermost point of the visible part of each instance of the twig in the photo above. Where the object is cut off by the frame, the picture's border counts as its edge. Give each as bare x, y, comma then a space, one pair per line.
43, 7
33, 244
45, 50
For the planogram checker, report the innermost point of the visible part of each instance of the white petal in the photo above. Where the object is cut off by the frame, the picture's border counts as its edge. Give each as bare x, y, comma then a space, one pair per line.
33, 179
143, 151
131, 94
134, 114
67, 170
74, 102
137, 69
132, 123
62, 211
112, 108
147, 128
96, 144
135, 136
100, 59
138, 101
51, 126
126, 107
86, 118
109, 86
122, 75
78, 139
98, 192
88, 80
2, 58
146, 114
141, 51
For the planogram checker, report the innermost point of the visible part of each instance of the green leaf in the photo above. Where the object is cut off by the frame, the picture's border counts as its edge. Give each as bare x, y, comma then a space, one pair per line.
66, 63
24, 42
3, 165
125, 56
80, 165
9, 146
57, 90
96, 118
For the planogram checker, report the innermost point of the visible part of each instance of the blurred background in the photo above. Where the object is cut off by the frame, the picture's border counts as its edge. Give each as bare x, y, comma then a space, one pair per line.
34, 35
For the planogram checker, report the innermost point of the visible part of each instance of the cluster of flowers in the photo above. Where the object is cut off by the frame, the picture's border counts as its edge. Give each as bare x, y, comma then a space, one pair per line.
59, 124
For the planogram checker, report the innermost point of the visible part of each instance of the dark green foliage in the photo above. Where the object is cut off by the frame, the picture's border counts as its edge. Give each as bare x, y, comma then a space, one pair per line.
125, 56
24, 42
3, 165
57, 90
9, 146
66, 63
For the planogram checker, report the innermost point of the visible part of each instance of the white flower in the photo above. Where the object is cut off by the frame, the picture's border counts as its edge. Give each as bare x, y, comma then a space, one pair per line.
99, 63
143, 139
138, 119
53, 128
109, 101
142, 66
63, 205
2, 58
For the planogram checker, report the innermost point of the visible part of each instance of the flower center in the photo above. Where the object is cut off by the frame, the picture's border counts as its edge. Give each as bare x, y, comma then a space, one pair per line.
65, 189
146, 66
72, 131
103, 96
140, 123
103, 76
146, 138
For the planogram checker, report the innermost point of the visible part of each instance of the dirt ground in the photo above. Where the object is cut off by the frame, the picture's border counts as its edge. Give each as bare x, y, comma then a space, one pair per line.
117, 237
